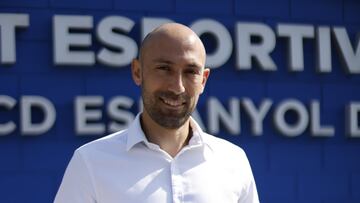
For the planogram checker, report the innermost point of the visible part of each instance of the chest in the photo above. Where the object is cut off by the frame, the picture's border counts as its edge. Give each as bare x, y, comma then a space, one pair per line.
153, 179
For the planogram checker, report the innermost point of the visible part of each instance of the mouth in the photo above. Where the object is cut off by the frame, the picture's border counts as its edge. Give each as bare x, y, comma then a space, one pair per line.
174, 103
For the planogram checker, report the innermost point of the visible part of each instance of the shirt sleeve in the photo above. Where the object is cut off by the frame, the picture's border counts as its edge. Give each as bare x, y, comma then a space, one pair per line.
249, 194
76, 185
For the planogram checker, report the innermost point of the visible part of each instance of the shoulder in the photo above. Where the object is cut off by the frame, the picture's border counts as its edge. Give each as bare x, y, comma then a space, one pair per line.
232, 159
107, 144
219, 145
228, 154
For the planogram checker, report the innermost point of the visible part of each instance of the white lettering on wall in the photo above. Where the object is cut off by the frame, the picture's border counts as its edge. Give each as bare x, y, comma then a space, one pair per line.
108, 34
118, 111
84, 115
8, 103
28, 127
352, 119
285, 128
64, 40
296, 34
254, 42
315, 127
256, 115
224, 43
350, 56
260, 51
218, 114
323, 49
8, 24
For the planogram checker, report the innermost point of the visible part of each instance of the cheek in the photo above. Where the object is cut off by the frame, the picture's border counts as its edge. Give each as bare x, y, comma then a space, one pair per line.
194, 90
150, 84
195, 85
156, 82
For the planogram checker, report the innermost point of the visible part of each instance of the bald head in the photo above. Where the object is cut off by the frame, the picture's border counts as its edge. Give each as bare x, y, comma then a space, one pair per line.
174, 34
172, 75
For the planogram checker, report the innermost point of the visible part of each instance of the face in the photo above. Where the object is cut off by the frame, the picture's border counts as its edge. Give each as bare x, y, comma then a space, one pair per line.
172, 76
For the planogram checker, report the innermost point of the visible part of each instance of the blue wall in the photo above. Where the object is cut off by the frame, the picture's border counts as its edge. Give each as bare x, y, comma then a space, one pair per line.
301, 169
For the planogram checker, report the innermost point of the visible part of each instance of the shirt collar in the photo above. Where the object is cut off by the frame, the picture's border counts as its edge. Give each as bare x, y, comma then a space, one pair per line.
199, 136
196, 138
136, 135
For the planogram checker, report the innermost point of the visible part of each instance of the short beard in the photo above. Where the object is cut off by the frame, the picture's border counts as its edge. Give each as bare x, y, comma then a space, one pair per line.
167, 120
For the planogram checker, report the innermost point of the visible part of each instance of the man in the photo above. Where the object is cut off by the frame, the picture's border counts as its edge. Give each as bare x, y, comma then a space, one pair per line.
163, 156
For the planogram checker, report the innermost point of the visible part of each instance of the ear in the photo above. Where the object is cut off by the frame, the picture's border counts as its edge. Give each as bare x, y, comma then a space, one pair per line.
136, 71
205, 75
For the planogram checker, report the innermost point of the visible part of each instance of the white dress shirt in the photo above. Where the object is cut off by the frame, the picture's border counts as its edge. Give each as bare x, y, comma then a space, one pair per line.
125, 168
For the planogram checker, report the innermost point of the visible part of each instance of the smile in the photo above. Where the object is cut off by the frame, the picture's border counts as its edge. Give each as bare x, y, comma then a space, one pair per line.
173, 103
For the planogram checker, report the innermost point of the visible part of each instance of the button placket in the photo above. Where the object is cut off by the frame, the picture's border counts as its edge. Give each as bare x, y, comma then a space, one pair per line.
176, 183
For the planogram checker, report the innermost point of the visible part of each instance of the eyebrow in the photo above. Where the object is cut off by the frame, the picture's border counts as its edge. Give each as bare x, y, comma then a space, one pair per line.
162, 61
195, 65
191, 64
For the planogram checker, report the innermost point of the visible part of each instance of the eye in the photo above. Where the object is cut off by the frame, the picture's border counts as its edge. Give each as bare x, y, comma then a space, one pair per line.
192, 72
163, 67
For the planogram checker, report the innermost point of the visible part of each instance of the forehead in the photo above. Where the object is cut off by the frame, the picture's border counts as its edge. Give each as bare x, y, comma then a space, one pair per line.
175, 49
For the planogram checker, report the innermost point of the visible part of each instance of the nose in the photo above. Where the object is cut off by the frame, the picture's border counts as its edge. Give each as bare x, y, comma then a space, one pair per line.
176, 84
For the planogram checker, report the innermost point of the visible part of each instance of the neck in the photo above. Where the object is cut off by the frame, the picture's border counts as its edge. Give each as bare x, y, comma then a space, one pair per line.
169, 140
